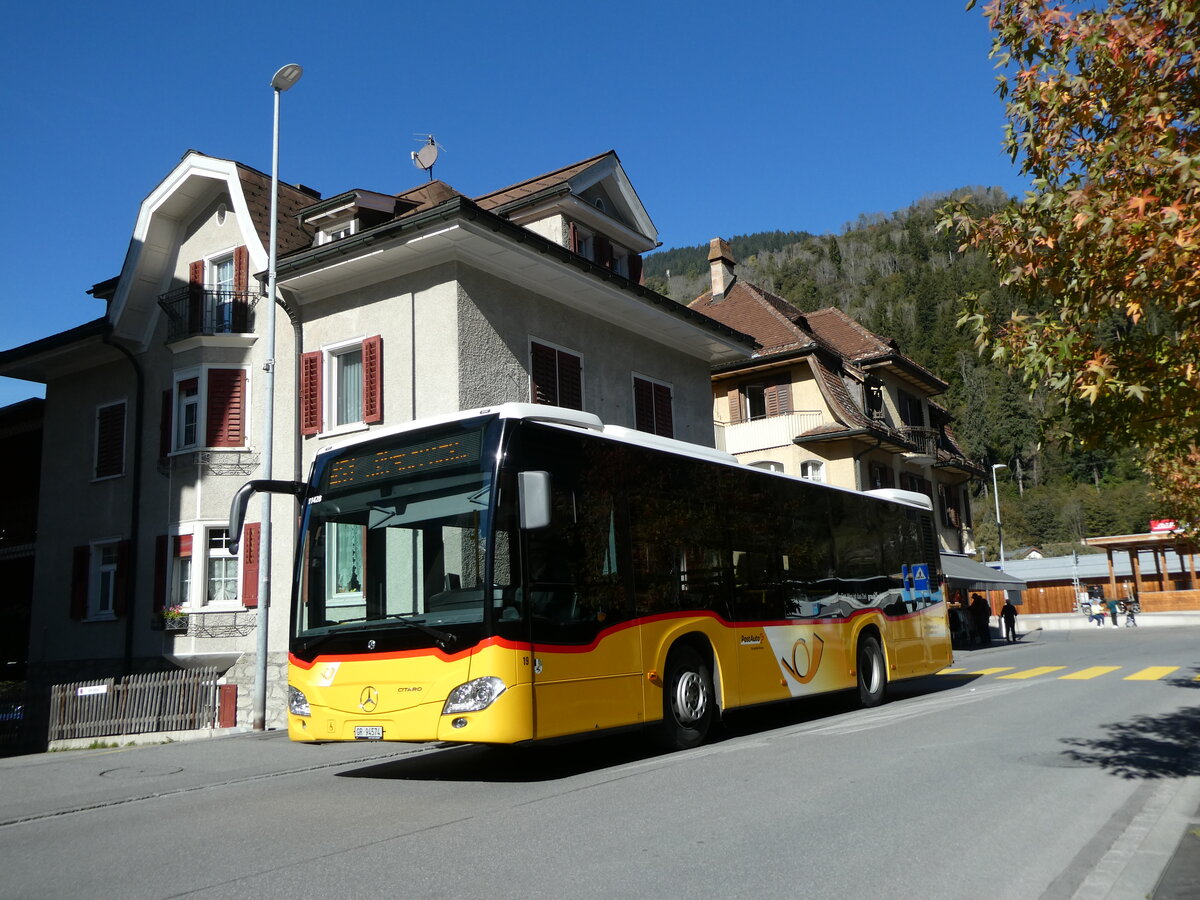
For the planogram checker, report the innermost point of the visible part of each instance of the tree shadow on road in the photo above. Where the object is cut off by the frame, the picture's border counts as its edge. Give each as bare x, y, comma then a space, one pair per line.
1162, 746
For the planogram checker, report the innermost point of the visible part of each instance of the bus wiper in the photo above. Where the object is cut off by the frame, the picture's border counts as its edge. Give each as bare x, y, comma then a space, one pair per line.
444, 639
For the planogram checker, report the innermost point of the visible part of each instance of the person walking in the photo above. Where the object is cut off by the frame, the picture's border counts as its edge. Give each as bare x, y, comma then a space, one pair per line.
981, 612
1009, 614
1113, 606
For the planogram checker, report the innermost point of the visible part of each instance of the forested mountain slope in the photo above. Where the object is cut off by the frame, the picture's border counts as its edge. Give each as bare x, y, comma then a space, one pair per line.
902, 278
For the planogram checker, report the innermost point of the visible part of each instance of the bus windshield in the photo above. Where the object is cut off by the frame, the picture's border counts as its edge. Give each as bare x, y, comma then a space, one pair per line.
395, 542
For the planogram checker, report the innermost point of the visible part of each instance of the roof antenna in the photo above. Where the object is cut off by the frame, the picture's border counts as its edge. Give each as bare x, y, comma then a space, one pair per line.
425, 157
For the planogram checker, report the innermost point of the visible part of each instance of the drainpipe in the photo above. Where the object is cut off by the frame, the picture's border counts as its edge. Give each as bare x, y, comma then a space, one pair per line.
135, 515
858, 481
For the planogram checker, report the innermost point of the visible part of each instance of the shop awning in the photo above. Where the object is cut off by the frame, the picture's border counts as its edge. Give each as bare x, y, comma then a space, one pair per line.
969, 575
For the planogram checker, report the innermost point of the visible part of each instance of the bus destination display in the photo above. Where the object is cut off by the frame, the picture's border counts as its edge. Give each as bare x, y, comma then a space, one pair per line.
398, 462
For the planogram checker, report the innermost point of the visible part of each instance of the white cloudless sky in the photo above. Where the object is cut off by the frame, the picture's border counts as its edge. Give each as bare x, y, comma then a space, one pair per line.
729, 118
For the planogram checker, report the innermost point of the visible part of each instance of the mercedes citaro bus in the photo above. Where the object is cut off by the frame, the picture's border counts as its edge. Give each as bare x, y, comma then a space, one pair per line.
526, 572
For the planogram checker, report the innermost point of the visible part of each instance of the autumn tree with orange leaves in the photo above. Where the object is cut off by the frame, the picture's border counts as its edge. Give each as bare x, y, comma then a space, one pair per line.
1103, 254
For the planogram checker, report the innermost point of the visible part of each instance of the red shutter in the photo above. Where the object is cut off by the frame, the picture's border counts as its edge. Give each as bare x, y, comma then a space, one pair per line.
81, 570
735, 406
123, 579
225, 425
372, 357
543, 372
643, 405
310, 392
110, 440
573, 238
250, 533
164, 424
664, 419
241, 287
162, 549
570, 380
635, 268
195, 296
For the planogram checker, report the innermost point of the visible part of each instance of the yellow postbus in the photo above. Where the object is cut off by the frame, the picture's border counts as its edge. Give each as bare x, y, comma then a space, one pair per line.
525, 572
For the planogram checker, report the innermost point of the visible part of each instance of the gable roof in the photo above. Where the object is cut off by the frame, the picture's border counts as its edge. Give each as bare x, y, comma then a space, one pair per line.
768, 318
539, 184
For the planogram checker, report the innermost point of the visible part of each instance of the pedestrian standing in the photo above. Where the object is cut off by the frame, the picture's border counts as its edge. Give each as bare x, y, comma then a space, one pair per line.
981, 612
1009, 614
1113, 606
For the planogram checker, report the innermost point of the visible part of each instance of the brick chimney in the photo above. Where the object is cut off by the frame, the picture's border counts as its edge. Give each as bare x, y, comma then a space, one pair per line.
720, 263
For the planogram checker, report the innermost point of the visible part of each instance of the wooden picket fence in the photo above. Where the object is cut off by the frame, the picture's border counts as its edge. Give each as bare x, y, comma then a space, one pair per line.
183, 700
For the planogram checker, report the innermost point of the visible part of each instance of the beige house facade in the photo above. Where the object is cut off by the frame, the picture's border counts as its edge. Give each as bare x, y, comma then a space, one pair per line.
390, 307
825, 398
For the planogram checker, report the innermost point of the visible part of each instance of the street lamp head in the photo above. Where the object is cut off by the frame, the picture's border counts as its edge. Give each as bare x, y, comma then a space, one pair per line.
286, 77
996, 466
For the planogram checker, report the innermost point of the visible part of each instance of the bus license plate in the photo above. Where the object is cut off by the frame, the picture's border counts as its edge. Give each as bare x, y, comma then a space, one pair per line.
368, 732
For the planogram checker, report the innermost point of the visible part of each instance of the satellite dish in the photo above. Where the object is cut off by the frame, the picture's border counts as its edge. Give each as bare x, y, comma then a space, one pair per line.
424, 158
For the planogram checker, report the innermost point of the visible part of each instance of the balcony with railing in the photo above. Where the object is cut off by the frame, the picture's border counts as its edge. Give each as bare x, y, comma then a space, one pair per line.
926, 440
194, 311
765, 433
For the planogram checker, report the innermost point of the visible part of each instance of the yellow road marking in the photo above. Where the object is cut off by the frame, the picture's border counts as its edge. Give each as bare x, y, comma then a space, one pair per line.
951, 671
993, 671
1152, 674
1093, 672
1033, 673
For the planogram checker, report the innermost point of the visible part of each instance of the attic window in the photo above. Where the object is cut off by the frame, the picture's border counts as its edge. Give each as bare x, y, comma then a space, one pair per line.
337, 231
600, 204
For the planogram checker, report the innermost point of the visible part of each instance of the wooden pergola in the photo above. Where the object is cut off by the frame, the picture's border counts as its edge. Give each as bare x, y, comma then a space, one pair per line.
1165, 598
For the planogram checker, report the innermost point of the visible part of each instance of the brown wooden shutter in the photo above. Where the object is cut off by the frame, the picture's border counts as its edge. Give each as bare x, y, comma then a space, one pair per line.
110, 440
241, 287
635, 268
195, 296
310, 392
543, 373
735, 406
250, 533
225, 425
664, 419
162, 549
123, 579
164, 424
573, 238
570, 380
81, 570
643, 405
372, 360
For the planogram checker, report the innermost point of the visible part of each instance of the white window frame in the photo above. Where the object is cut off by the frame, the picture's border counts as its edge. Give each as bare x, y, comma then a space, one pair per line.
585, 243
329, 402
97, 570
534, 339
813, 470
334, 597
211, 554
769, 465
175, 596
653, 382
124, 401
335, 231
201, 375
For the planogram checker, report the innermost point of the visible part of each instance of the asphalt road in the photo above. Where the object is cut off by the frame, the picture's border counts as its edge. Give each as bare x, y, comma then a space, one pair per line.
1014, 777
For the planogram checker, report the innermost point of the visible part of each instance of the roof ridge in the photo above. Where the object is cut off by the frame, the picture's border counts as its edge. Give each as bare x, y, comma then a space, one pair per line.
546, 175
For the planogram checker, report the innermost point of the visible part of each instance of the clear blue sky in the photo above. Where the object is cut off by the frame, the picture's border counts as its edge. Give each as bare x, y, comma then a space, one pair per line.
729, 118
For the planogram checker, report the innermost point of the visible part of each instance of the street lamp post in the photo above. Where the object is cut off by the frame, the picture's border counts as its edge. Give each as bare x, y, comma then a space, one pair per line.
996, 497
280, 82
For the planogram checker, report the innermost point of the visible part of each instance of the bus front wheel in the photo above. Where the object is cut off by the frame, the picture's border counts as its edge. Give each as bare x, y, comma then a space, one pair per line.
688, 701
872, 672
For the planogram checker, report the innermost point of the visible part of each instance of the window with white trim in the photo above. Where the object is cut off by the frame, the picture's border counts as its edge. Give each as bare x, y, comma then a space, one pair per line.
181, 571
221, 570
102, 598
653, 406
768, 464
336, 231
187, 413
341, 386
221, 293
555, 375
344, 555
813, 470
206, 409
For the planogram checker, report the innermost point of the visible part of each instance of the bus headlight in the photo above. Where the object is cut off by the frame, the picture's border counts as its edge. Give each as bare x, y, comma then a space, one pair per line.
297, 702
473, 696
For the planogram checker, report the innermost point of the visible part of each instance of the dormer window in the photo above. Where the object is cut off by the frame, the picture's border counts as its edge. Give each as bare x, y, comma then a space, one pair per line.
336, 231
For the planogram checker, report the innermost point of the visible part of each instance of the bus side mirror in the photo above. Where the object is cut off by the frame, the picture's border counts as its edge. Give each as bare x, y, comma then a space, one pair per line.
533, 489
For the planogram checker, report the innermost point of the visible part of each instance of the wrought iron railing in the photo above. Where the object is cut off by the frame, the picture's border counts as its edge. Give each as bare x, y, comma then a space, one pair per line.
925, 439
193, 311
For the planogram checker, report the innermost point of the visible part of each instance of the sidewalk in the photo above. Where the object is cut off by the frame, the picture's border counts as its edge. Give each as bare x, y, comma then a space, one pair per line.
1064, 621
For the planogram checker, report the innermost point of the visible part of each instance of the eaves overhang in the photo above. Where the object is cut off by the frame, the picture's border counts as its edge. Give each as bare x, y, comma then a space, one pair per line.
458, 230
885, 440
60, 354
905, 369
764, 363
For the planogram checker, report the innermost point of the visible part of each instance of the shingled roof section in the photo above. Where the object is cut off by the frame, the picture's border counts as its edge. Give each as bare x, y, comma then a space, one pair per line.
256, 186
537, 184
767, 318
845, 335
426, 196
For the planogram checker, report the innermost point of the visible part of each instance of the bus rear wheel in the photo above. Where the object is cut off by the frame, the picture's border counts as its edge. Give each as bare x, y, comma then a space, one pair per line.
688, 701
872, 672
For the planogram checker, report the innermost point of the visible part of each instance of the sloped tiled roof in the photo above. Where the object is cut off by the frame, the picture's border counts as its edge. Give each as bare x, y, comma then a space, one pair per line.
845, 335
537, 184
767, 318
427, 196
256, 186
